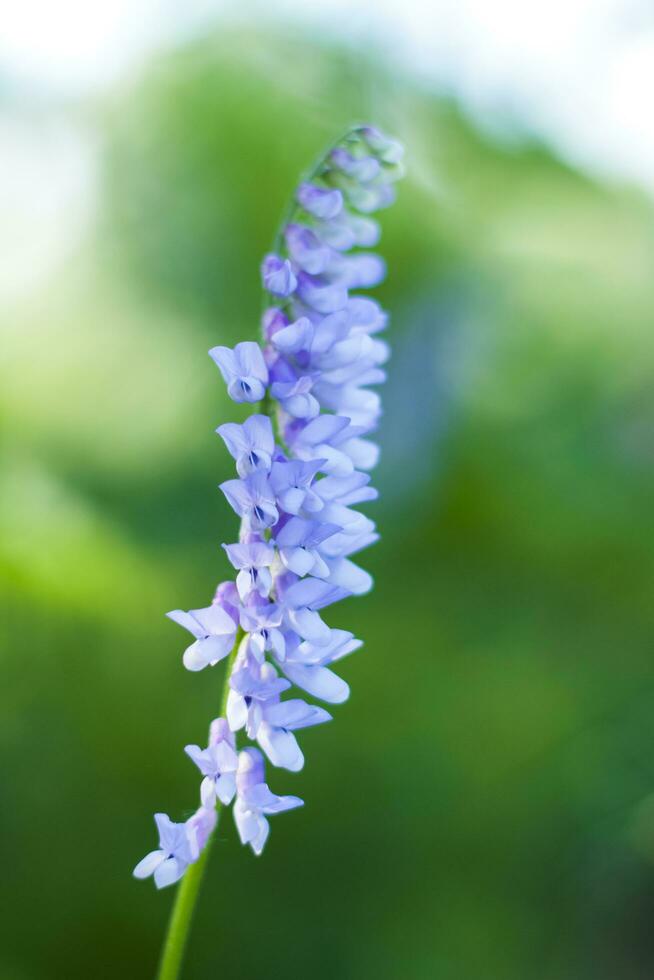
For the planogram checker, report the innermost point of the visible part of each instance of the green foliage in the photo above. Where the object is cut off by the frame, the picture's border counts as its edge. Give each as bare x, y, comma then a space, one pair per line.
496, 755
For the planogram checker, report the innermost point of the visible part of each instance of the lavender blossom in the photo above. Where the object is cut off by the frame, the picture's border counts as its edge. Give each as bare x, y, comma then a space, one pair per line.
201, 825
255, 801
279, 721
306, 249
178, 847
243, 369
292, 481
303, 462
302, 599
361, 168
252, 684
217, 763
307, 665
298, 542
253, 500
253, 561
252, 444
278, 276
261, 622
295, 397
214, 631
321, 202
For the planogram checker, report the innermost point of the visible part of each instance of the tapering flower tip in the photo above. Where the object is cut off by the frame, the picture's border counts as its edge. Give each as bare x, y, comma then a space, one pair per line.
320, 202
255, 801
389, 150
214, 631
252, 444
178, 847
243, 369
278, 276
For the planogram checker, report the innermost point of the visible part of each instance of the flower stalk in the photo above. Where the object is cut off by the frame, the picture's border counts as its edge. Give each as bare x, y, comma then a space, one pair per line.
303, 462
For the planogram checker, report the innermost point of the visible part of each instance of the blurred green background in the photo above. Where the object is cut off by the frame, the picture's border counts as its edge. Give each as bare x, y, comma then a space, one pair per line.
483, 806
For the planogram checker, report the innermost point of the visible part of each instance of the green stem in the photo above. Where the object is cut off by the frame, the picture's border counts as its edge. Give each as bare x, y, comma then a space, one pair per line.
181, 915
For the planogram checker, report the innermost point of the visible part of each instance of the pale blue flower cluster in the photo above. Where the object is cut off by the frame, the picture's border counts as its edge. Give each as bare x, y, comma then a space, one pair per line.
302, 462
